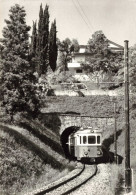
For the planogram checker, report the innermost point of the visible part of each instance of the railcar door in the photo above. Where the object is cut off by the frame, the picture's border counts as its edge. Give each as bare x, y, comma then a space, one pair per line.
72, 146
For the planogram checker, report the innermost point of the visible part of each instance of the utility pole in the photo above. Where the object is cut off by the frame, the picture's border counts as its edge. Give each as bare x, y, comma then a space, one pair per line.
115, 134
127, 126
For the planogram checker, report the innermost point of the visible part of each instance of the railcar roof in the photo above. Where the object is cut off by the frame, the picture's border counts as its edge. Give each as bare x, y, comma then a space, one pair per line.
89, 131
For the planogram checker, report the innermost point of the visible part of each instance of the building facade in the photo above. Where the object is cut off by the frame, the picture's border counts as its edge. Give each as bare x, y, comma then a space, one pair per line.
81, 57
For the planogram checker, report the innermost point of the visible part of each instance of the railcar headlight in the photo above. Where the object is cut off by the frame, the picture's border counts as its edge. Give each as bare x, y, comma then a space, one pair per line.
86, 153
98, 152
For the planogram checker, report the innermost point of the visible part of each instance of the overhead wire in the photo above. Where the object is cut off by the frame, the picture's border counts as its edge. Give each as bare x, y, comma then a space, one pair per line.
80, 13
84, 14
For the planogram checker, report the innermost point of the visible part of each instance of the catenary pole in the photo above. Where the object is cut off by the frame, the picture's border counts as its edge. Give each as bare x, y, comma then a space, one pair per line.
127, 126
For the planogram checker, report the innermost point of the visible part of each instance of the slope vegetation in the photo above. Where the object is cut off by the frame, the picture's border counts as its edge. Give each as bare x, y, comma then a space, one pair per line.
30, 156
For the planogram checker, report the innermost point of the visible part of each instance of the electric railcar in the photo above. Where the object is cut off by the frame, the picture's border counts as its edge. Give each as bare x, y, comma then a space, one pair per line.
86, 143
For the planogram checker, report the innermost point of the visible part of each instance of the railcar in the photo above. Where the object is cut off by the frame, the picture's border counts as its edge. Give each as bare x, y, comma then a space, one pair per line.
86, 143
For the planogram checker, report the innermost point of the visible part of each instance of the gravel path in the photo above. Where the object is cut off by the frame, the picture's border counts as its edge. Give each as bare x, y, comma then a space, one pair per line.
98, 185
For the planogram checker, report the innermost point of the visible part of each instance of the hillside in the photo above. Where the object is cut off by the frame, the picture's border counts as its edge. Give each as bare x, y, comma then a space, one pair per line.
30, 157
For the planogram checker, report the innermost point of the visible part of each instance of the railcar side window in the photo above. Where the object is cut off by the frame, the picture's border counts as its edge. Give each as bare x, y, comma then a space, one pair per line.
80, 139
98, 139
84, 140
91, 139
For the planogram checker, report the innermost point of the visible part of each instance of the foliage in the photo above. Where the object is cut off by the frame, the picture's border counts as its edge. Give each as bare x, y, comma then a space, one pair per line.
25, 161
61, 61
42, 87
40, 42
44, 43
132, 68
69, 46
66, 47
99, 43
102, 57
86, 67
75, 45
17, 78
66, 44
62, 77
53, 46
33, 46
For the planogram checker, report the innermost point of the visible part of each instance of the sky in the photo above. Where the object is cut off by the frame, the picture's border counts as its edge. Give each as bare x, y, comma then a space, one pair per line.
79, 19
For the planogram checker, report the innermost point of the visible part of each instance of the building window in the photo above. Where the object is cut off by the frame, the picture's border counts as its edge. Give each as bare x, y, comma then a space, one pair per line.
79, 71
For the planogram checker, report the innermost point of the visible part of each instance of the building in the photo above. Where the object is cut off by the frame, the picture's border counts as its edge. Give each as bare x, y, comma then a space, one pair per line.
79, 58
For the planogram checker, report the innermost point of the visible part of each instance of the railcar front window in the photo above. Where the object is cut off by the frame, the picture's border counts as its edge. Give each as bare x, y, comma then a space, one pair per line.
91, 139
84, 140
98, 139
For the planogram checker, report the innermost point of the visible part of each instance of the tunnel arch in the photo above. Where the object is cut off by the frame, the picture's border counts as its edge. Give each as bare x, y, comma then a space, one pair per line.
64, 139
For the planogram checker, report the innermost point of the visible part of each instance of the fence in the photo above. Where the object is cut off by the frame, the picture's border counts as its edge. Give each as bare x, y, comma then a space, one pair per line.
85, 92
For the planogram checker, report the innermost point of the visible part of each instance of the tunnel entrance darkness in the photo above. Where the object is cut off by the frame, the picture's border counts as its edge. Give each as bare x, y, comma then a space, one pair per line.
64, 140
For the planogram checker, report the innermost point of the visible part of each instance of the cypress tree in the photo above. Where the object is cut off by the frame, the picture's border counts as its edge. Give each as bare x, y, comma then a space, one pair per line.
42, 40
46, 38
17, 89
33, 48
39, 40
34, 39
53, 46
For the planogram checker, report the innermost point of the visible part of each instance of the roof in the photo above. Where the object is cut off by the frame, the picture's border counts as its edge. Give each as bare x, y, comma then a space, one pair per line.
83, 49
84, 53
83, 46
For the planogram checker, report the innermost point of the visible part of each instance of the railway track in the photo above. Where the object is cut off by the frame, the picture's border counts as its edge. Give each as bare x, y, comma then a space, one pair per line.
73, 183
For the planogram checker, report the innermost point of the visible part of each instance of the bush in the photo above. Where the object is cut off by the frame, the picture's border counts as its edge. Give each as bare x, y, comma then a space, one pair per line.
63, 77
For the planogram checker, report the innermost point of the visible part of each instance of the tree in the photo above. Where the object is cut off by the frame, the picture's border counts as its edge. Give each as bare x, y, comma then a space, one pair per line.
99, 43
53, 46
132, 68
66, 47
17, 89
74, 46
42, 40
102, 57
64, 50
33, 47
61, 58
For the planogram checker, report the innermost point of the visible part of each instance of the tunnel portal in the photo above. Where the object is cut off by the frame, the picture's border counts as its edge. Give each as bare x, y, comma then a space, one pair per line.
64, 140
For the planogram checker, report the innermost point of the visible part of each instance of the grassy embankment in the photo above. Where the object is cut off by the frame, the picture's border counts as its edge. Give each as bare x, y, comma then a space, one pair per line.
31, 157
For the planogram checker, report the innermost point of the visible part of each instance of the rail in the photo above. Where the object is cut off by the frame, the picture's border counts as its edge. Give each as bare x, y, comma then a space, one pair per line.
71, 187
79, 185
61, 183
